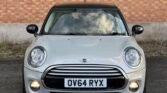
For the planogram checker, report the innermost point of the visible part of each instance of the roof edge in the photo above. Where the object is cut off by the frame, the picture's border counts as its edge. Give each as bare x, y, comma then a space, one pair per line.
109, 5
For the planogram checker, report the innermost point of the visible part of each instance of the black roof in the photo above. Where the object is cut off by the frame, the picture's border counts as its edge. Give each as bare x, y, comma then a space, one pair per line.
86, 6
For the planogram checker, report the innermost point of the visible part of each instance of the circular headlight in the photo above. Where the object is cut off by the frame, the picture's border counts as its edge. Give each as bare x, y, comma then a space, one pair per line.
37, 57
132, 57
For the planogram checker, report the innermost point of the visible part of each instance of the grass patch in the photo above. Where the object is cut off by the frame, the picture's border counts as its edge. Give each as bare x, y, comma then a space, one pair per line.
151, 48
154, 48
10, 49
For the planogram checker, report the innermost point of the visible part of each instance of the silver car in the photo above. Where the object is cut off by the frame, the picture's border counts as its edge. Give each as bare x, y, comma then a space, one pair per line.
84, 48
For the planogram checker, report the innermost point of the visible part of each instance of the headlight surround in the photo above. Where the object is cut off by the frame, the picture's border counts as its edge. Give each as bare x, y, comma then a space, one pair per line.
37, 56
132, 57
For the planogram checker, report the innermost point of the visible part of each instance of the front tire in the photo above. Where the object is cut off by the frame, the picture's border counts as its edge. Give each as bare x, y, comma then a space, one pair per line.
23, 89
23, 84
145, 90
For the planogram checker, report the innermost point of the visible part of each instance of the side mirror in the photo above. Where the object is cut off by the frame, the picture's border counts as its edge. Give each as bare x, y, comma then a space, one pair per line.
32, 29
137, 29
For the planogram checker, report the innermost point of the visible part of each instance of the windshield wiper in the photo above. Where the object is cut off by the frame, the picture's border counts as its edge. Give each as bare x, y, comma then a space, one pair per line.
72, 34
116, 33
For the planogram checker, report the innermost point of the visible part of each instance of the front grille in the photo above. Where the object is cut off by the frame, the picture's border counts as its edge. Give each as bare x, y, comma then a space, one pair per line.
54, 76
82, 92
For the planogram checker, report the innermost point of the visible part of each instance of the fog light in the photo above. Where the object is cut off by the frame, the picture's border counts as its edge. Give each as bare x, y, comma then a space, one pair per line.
35, 85
133, 86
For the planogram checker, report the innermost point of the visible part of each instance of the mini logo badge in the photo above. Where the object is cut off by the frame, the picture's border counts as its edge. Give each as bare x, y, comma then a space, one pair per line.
84, 60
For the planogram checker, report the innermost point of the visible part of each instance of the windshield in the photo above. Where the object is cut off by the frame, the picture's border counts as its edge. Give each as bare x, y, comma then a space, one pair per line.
85, 22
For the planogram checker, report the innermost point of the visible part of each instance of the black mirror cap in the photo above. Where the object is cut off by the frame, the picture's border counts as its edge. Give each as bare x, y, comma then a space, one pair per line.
32, 28
137, 29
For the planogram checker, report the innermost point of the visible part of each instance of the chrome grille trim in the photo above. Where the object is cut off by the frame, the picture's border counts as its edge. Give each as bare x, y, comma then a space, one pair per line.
89, 74
54, 71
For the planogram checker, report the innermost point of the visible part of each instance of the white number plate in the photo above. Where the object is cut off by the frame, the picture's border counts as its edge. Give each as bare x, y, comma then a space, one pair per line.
85, 83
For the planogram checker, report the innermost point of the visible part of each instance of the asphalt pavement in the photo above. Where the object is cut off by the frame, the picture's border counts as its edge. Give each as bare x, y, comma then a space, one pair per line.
11, 75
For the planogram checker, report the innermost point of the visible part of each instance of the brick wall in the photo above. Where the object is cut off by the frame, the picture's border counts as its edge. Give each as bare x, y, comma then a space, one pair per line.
28, 11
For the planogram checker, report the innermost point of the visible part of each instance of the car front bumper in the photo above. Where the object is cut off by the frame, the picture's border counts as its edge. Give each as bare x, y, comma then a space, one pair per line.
30, 75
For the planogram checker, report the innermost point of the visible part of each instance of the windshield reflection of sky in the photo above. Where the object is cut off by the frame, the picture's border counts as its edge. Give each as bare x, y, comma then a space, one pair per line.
86, 22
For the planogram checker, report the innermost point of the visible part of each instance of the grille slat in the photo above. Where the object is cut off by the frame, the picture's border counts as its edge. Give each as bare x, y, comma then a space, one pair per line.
54, 76
83, 67
92, 68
